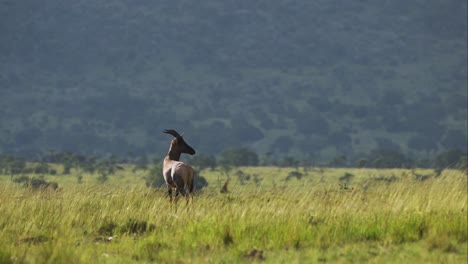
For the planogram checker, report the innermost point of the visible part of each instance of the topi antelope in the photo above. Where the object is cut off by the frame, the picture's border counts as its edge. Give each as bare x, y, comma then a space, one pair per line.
177, 174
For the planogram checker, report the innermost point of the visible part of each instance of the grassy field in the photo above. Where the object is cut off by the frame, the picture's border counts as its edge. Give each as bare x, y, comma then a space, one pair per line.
316, 216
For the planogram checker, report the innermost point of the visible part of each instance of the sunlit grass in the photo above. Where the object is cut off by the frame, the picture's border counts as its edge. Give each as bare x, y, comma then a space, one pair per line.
290, 221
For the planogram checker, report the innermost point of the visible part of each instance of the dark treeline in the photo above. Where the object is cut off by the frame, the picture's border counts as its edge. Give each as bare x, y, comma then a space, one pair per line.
229, 158
227, 163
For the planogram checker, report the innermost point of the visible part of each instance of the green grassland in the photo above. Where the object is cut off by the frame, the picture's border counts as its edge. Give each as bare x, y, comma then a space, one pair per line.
318, 216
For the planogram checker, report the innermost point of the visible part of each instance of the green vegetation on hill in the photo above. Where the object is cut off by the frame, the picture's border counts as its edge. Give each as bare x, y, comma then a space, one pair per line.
300, 78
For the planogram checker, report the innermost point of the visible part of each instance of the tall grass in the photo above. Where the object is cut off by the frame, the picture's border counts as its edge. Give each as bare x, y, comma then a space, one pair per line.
373, 220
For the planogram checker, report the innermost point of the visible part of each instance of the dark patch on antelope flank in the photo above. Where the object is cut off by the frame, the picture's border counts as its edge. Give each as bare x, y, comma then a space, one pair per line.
33, 240
136, 227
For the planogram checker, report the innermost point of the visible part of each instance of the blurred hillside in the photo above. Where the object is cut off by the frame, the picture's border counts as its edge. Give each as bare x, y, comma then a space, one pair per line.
314, 78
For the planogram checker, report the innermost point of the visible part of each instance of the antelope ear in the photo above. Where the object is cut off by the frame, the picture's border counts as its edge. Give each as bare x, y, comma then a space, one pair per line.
182, 135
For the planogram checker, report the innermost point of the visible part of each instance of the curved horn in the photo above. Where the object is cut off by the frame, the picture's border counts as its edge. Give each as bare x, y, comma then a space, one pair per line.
171, 132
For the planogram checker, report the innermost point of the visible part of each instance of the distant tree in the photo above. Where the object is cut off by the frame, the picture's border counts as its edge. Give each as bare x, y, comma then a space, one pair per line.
11, 165
307, 163
141, 164
67, 159
87, 163
103, 175
242, 176
238, 156
266, 159
43, 168
67, 166
289, 161
339, 161
107, 166
346, 178
361, 163
257, 179
294, 174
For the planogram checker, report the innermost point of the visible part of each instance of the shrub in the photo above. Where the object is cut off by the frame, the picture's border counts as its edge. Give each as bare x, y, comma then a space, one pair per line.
154, 177
347, 177
242, 176
200, 182
35, 183
294, 174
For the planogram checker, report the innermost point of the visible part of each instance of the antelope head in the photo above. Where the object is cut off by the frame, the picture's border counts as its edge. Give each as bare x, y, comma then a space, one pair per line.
178, 144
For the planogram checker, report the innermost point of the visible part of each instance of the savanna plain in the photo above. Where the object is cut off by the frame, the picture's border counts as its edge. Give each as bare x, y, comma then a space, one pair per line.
266, 214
